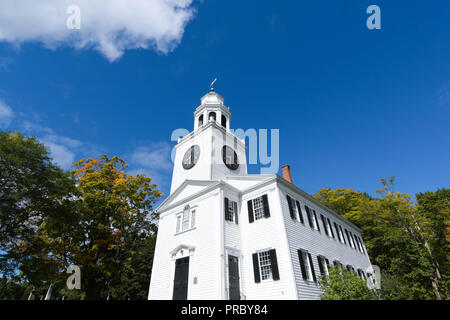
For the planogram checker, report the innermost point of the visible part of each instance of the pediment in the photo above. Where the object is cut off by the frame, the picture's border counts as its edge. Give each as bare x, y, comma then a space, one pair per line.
186, 190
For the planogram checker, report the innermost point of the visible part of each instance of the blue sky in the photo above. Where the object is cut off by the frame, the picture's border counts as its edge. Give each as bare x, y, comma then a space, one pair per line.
353, 105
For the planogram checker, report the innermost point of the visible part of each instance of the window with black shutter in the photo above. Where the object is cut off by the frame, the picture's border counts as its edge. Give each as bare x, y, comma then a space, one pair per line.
301, 259
337, 231
362, 245
236, 219
320, 262
258, 208
324, 225
228, 215
330, 227
291, 209
342, 234
299, 210
265, 265
311, 265
309, 215
317, 222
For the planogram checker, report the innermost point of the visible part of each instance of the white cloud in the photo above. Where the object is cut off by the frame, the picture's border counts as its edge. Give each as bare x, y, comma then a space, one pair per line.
157, 156
6, 114
154, 161
60, 153
109, 26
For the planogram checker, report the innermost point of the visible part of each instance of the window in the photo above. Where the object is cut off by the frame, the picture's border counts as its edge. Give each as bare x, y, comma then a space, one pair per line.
361, 274
330, 229
327, 226
223, 121
342, 234
231, 213
362, 245
350, 240
265, 265
185, 220
312, 218
212, 116
323, 265
186, 213
306, 265
294, 209
258, 208
200, 121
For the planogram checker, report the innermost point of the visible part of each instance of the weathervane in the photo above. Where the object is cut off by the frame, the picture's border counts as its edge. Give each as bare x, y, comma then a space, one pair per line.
212, 83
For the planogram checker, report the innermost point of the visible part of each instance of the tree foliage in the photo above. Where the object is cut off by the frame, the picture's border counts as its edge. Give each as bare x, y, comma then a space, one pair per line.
400, 237
341, 284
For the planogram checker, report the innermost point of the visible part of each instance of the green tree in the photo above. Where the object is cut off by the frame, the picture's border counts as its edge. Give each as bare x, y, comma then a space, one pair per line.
341, 284
31, 188
398, 238
104, 236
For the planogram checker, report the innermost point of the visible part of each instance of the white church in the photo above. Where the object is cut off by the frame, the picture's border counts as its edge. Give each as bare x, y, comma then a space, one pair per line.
225, 234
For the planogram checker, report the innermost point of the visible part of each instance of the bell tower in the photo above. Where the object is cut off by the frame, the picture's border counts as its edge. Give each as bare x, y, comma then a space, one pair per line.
211, 151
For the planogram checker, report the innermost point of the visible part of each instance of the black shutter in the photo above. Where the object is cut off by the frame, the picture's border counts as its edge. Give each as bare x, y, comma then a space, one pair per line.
319, 260
273, 261
256, 268
331, 227
328, 262
291, 210
251, 217
317, 222
266, 206
235, 212
299, 209
312, 267
302, 264
308, 214
324, 224
227, 216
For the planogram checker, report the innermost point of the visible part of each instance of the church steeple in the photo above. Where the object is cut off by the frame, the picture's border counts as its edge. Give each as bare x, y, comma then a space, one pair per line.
212, 108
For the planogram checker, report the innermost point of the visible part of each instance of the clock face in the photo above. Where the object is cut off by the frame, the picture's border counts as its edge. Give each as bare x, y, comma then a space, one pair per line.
230, 158
191, 157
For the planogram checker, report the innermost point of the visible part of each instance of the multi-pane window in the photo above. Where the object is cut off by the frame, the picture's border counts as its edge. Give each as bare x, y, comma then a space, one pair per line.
185, 220
258, 208
265, 265
186, 213
312, 218
231, 213
323, 265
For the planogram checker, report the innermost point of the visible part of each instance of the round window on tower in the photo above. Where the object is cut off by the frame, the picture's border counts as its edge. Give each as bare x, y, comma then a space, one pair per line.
191, 157
230, 158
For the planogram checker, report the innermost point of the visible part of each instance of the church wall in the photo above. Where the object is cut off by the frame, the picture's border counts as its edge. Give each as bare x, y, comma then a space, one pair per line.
205, 260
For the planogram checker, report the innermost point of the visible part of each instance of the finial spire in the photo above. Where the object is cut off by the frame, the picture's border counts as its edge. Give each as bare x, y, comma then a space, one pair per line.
212, 83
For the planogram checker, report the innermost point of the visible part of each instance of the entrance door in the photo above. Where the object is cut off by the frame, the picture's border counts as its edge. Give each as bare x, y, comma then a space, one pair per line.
180, 286
233, 278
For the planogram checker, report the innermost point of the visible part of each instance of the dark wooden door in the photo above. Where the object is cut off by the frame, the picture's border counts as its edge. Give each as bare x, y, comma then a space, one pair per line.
233, 278
180, 286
